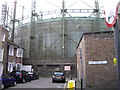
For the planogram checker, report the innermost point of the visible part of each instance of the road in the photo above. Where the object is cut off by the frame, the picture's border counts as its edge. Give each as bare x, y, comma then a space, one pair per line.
39, 83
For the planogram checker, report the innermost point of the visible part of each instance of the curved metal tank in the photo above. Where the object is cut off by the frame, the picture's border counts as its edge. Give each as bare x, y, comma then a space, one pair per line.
48, 39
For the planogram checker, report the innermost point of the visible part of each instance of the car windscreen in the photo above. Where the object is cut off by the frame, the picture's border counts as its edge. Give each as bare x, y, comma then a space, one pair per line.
30, 72
58, 73
18, 73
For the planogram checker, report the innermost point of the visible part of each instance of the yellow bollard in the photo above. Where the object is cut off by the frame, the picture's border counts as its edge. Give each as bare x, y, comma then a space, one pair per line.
71, 84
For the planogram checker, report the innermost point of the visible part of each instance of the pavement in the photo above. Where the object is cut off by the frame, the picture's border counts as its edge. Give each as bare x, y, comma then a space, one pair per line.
78, 84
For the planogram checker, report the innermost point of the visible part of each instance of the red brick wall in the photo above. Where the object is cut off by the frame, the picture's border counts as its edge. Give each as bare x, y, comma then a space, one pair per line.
99, 47
14, 58
4, 46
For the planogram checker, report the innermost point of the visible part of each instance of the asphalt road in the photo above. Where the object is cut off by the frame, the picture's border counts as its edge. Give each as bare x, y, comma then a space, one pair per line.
39, 83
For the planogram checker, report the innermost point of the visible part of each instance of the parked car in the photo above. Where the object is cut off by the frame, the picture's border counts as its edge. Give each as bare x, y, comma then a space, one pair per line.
58, 76
33, 75
7, 81
21, 76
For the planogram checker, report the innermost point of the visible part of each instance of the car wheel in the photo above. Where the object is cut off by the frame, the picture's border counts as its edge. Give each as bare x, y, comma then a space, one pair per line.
23, 80
34, 78
2, 86
64, 81
29, 80
14, 83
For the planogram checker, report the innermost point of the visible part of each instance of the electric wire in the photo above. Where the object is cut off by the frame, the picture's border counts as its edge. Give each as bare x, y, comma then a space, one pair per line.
87, 4
72, 4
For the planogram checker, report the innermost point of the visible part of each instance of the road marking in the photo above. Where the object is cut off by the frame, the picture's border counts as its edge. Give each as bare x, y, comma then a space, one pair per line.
65, 84
59, 87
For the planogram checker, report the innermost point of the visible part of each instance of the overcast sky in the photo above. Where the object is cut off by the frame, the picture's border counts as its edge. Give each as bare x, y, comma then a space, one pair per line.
50, 5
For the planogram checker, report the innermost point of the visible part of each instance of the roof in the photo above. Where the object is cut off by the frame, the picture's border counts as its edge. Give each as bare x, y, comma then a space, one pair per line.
14, 44
98, 32
2, 28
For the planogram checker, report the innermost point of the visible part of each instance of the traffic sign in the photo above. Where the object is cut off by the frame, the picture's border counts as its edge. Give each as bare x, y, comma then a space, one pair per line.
111, 12
67, 68
115, 61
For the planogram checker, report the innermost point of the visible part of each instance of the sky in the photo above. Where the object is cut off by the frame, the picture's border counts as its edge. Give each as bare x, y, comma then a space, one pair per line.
50, 5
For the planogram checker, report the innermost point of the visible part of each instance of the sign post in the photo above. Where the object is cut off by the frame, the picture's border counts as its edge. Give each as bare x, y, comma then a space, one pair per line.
117, 50
111, 13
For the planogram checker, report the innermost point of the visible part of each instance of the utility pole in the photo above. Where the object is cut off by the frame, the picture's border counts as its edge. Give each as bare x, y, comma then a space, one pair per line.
22, 13
117, 48
14, 20
97, 13
4, 15
32, 32
63, 29
111, 15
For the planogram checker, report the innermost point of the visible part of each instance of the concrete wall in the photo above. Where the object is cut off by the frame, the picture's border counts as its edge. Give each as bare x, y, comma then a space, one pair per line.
46, 70
47, 67
98, 47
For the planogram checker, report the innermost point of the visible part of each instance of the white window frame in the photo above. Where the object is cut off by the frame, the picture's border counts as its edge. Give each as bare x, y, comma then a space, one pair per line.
1, 69
3, 37
11, 50
10, 66
1, 54
19, 52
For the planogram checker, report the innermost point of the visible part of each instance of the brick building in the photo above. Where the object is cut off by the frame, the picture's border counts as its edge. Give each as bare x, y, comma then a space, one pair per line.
0, 52
3, 50
95, 60
15, 56
11, 55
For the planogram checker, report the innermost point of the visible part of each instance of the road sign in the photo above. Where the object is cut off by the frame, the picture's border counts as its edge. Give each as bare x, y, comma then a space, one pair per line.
97, 62
115, 61
111, 12
67, 68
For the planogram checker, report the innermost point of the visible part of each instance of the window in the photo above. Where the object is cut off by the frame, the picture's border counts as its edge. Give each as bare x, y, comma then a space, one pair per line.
19, 52
1, 69
1, 54
10, 66
11, 50
3, 37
